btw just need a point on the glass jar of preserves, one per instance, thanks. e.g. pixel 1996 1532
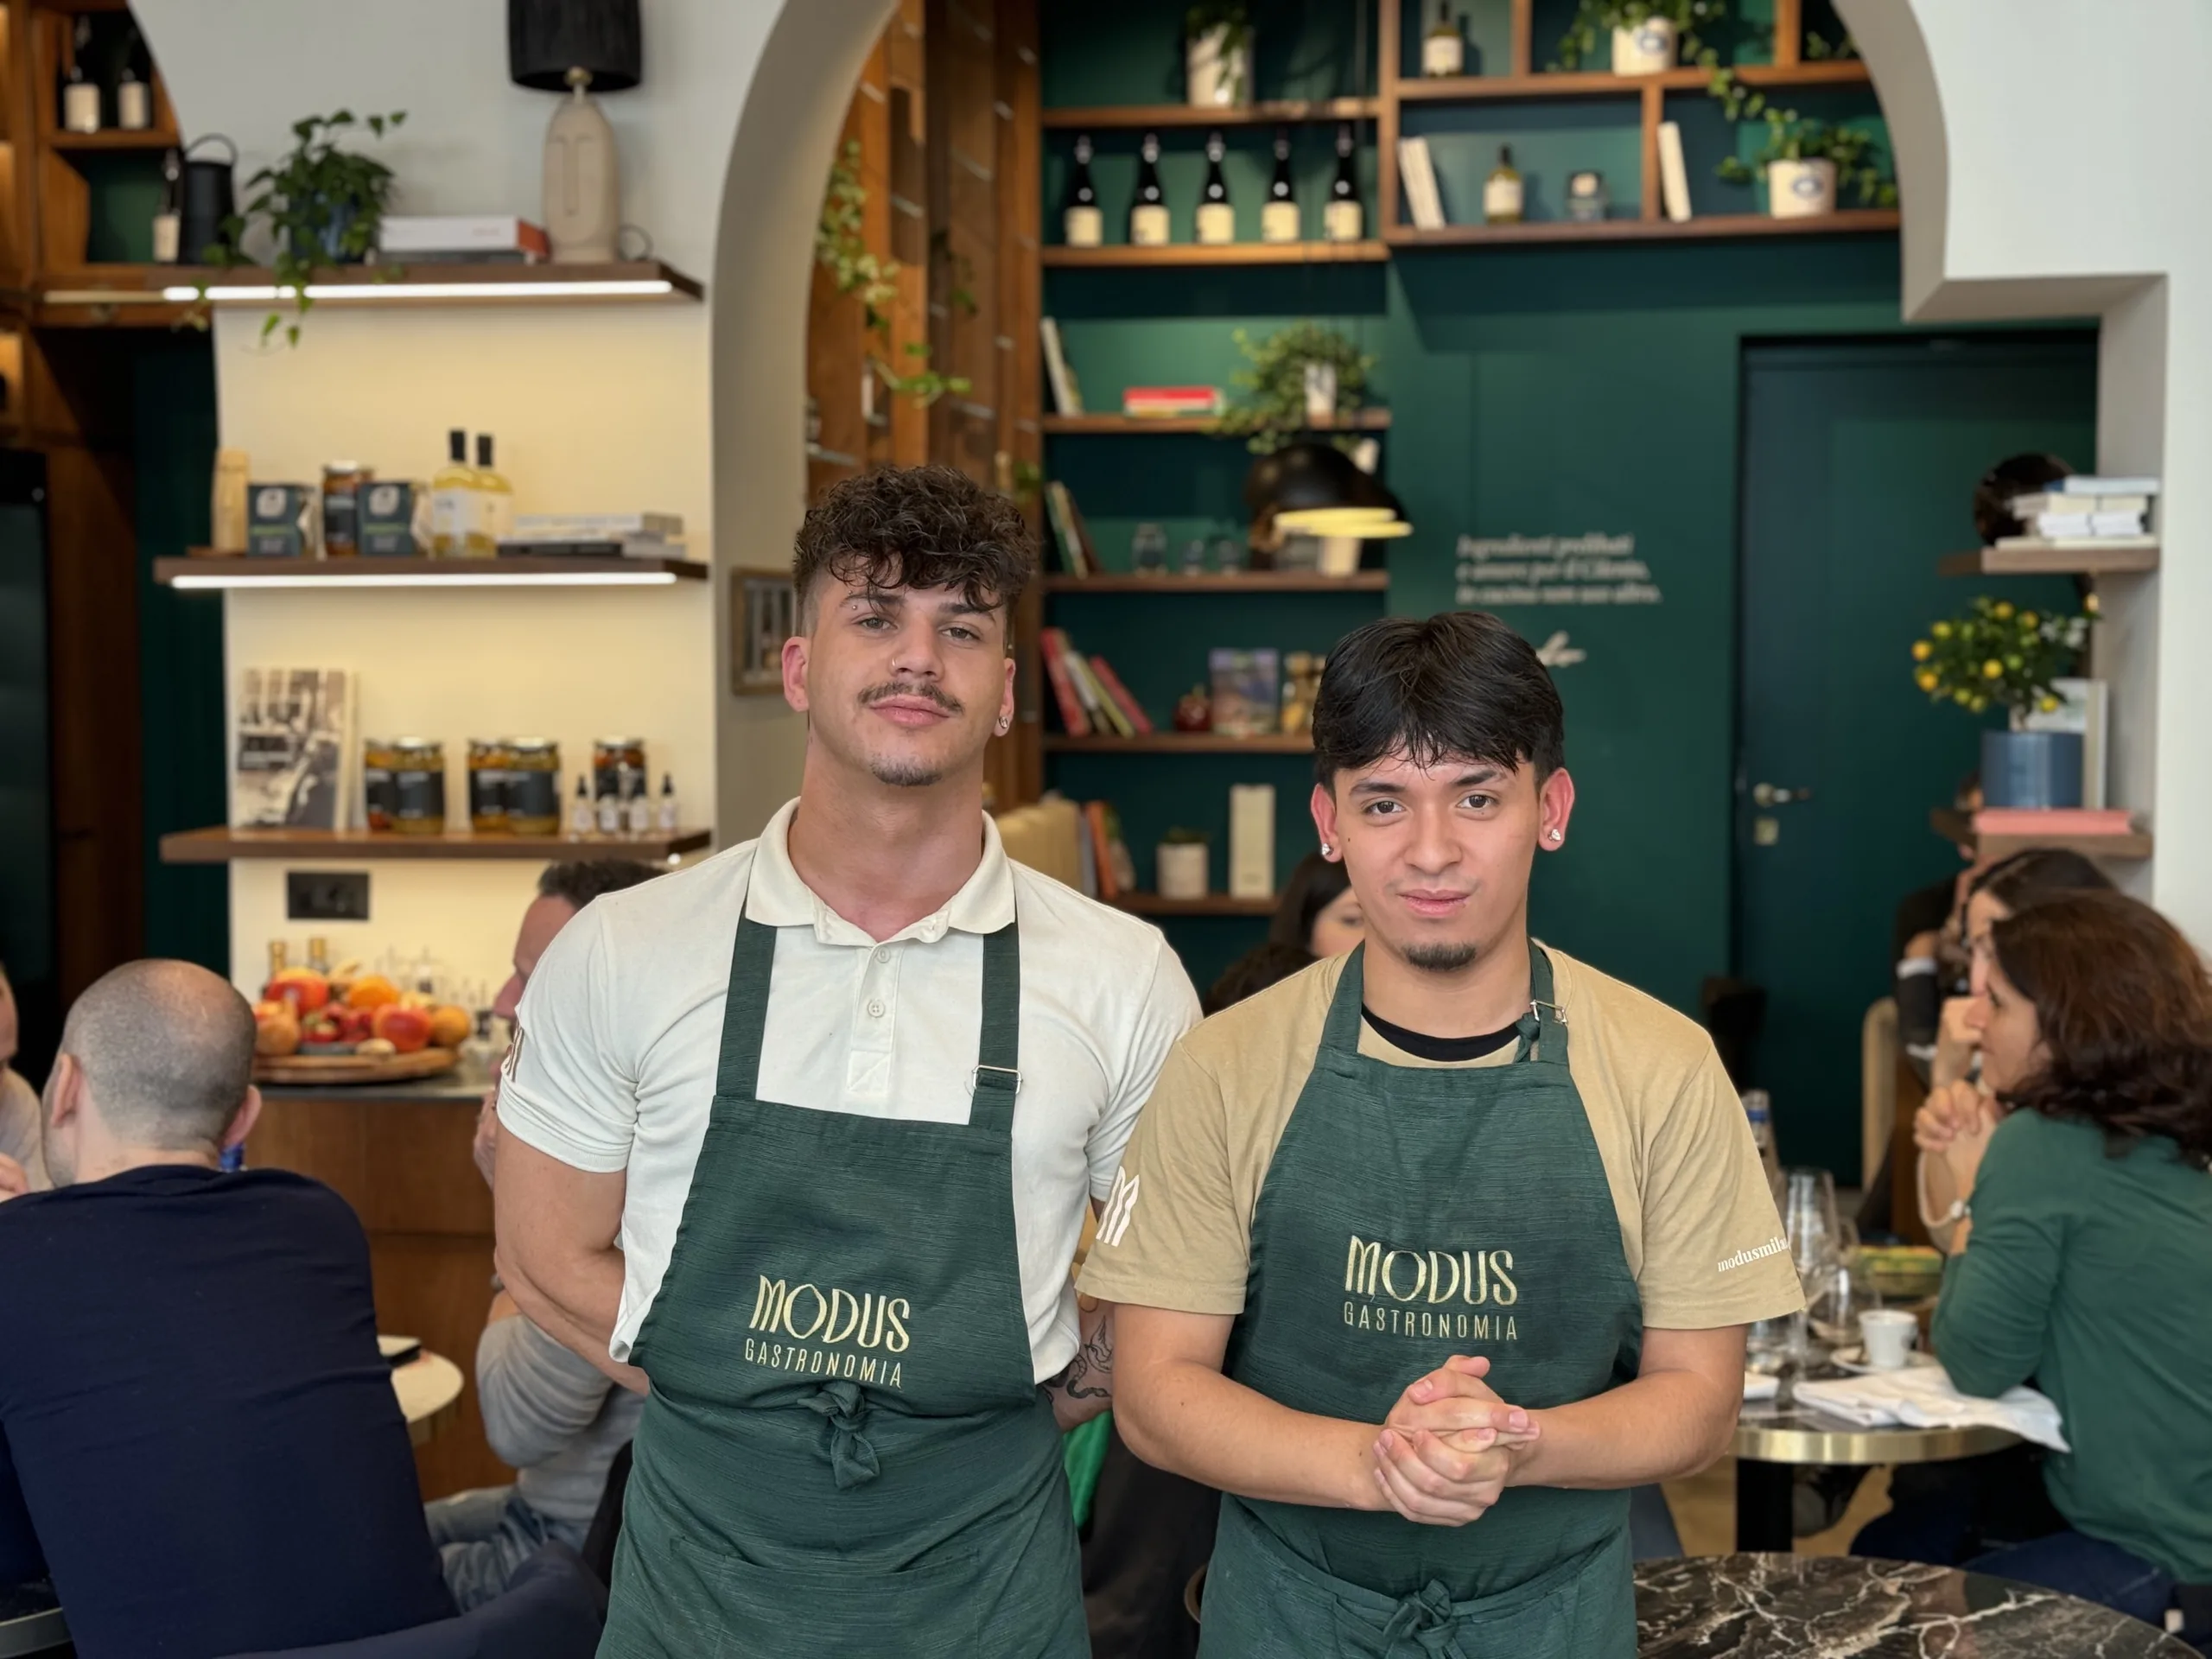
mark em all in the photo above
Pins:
pixel 533 798
pixel 418 778
pixel 378 786
pixel 342 483
pixel 617 767
pixel 487 785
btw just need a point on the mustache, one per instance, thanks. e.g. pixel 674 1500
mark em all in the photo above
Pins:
pixel 922 690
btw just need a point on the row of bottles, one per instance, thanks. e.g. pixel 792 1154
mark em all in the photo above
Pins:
pixel 471 508
pixel 1083 222
pixel 610 815
pixel 82 105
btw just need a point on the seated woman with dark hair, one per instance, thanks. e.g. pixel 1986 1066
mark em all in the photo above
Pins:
pixel 2080 1261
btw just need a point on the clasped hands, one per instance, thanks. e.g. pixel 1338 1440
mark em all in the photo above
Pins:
pixel 1449 1446
pixel 1955 1125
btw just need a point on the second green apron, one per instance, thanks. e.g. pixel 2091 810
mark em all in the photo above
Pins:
pixel 1410 1214
pixel 845 1450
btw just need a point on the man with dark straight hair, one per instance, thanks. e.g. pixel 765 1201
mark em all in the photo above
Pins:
pixel 802 1139
pixel 1451 1224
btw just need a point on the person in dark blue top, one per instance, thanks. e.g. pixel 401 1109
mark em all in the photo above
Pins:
pixel 200 1444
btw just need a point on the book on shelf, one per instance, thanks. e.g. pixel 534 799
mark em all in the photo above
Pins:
pixel 2020 821
pixel 591 547
pixel 1118 695
pixel 1067 395
pixel 1086 854
pixel 1106 837
pixel 560 526
pixel 2070 544
pixel 2085 707
pixel 2085 524
pixel 1252 840
pixel 1106 714
pixel 1247 691
pixel 2105 484
pixel 1417 168
pixel 2026 506
pixel 1084 546
pixel 1052 645
pixel 294 759
pixel 1161 402
pixel 461 236
pixel 1059 515
pixel 1673 173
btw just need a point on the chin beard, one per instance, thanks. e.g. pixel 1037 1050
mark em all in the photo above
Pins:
pixel 1442 958
pixel 905 774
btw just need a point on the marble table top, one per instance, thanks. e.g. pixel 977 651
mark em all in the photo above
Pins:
pixel 1846 1607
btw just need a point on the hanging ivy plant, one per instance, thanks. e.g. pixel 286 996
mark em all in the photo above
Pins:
pixel 854 268
pixel 1272 410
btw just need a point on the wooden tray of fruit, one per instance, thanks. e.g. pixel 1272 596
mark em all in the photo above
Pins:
pixel 351 1028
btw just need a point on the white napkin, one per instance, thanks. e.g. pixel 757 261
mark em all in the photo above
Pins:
pixel 1757 1385
pixel 1922 1398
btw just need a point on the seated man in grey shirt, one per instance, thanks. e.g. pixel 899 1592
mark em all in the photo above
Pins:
pixel 555 1417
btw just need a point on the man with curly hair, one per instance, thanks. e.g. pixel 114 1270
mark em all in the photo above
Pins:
pixel 798 1143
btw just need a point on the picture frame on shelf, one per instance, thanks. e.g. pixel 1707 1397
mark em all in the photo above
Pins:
pixel 763 613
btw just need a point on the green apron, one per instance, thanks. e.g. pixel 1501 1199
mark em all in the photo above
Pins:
pixel 1411 1214
pixel 845 1450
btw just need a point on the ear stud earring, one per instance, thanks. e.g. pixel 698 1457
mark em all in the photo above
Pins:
pixel 1557 837
pixel 1327 851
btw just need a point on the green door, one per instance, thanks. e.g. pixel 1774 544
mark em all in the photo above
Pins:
pixel 1859 459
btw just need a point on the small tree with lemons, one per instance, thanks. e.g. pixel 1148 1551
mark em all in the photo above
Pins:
pixel 2003 654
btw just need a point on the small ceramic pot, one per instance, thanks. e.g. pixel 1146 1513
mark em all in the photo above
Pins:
pixel 1647 48
pixel 1800 189
pixel 1182 869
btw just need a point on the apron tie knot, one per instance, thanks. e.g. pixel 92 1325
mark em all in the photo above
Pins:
pixel 1421 1628
pixel 852 1459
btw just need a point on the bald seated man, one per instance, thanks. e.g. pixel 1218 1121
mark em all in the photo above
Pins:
pixel 199 1441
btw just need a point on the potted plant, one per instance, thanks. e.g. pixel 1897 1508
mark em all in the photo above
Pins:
pixel 321 206
pixel 1181 864
pixel 1999 655
pixel 1647 37
pixel 1292 371
pixel 1218 55
pixel 1806 164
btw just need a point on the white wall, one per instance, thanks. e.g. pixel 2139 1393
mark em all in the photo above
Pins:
pixel 694 409
pixel 2050 153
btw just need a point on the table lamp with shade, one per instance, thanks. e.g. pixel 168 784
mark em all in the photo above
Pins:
pixel 578 47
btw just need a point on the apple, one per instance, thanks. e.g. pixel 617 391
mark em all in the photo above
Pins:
pixel 304 988
pixel 405 1029
pixel 355 1024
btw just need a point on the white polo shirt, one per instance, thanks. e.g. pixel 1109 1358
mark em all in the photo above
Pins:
pixel 620 1030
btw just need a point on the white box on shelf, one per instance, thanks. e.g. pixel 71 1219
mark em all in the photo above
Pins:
pixel 1252 840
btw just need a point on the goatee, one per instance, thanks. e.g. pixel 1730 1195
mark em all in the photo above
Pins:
pixel 1442 958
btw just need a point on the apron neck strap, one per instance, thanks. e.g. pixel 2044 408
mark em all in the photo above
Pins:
pixel 1543 1028
pixel 997 1076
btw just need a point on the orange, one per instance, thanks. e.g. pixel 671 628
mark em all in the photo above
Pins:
pixel 371 991
pixel 450 1025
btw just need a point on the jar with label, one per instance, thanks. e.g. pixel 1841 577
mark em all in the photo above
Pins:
pixel 418 778
pixel 379 787
pixel 533 787
pixel 342 482
pixel 618 767
pixel 487 785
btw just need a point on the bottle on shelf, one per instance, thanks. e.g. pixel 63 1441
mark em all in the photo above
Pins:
pixel 609 809
pixel 279 955
pixel 1216 226
pixel 319 954
pixel 1148 213
pixel 1502 191
pixel 169 219
pixel 495 508
pixel 452 500
pixel 1342 219
pixel 1279 216
pixel 637 812
pixel 1443 51
pixel 582 820
pixel 134 97
pixel 667 812
pixel 1083 224
pixel 80 93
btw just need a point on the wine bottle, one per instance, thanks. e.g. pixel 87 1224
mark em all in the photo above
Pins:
pixel 134 98
pixel 1442 50
pixel 169 217
pixel 1217 218
pixel 1279 218
pixel 1082 225
pixel 495 502
pixel 1342 219
pixel 1148 213
pixel 1502 193
pixel 452 500
pixel 80 94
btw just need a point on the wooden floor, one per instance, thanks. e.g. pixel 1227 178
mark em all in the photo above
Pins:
pixel 1705 1512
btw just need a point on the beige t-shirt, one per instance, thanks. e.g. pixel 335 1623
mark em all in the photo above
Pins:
pixel 1697 1220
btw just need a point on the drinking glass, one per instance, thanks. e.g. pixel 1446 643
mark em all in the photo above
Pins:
pixel 1809 1220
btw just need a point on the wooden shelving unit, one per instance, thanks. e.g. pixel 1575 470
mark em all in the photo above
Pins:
pixel 1363 420
pixel 1957 828
pixel 220 846
pixel 1122 256
pixel 1559 83
pixel 2051 562
pixel 1214 903
pixel 1274 112
pixel 1249 581
pixel 226 571
pixel 1844 222
pixel 1181 743
pixel 155 139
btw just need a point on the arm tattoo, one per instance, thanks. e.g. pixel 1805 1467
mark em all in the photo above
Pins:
pixel 1090 1375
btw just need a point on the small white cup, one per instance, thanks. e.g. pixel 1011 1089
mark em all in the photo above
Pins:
pixel 1890 1335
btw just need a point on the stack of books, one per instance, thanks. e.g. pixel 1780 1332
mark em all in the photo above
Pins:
pixel 2085 512
pixel 1091 696
pixel 1078 555
pixel 595 536
pixel 1417 172
pixel 2075 823
pixel 1108 870
pixel 1170 403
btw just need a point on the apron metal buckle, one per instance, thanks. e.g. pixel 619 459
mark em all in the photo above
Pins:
pixel 1012 1084
pixel 1537 1008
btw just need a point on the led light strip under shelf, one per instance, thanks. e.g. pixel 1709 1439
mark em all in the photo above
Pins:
pixel 268 293
pixel 402 579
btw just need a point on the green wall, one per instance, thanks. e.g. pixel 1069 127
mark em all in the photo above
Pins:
pixel 1547 390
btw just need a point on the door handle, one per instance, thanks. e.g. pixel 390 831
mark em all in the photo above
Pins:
pixel 1766 795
